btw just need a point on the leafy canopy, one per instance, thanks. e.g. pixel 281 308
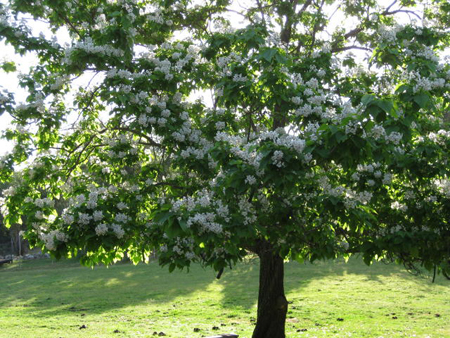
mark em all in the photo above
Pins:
pixel 203 129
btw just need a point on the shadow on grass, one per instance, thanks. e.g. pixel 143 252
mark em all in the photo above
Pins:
pixel 65 286
pixel 240 285
pixel 52 286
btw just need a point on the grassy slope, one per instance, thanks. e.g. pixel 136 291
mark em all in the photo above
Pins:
pixel 47 299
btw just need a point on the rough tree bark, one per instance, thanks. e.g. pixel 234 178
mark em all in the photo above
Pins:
pixel 272 303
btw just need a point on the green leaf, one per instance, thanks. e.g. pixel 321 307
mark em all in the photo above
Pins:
pixel 9 66
pixel 268 54
pixel 280 58
pixel 422 100
pixel 183 224
pixel 386 105
pixel 340 136
pixel 367 258
pixel 162 217
pixel 367 99
pixel 402 88
pixel 172 267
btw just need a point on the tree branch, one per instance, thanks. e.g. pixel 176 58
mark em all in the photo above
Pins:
pixel 391 5
pixel 403 11
pixel 341 49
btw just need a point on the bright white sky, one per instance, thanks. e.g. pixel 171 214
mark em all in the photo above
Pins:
pixel 10 82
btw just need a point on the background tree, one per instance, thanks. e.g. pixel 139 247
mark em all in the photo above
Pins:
pixel 11 241
pixel 324 134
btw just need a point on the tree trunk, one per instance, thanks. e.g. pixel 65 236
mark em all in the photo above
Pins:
pixel 272 304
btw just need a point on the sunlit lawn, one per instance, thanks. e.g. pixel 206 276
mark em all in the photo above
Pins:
pixel 62 299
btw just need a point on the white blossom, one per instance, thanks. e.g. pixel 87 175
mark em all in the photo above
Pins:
pixel 101 229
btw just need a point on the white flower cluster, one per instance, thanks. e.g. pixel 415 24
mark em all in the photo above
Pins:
pixel 118 230
pixel 413 230
pixel 441 137
pixel 90 47
pixel 246 150
pixel 154 13
pixel 102 229
pixel 40 202
pixel 409 195
pixel 379 133
pixel 4 98
pixel 352 127
pixel 225 62
pixel 10 191
pixel 399 206
pixel 248 211
pixel 443 186
pixel 239 78
pixel 296 80
pixel 100 22
pixel 425 52
pixel 198 153
pixel 59 82
pixel 206 221
pixel 277 158
pixel 203 199
pixel 350 198
pixel 38 104
pixel 389 33
pixel 324 49
pixel 121 218
pixel 372 171
pixel 425 83
pixel 97 215
pixel 3 160
pixel 49 238
pixel 169 67
pixel 83 218
pixel 312 99
pixel 184 247
pixel 127 75
pixel 250 179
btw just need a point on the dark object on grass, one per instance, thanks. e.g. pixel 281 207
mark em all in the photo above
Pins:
pixel 196 329
pixel 340 319
pixel 83 327
pixel 5 261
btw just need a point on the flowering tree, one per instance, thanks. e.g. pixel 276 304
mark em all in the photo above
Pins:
pixel 324 133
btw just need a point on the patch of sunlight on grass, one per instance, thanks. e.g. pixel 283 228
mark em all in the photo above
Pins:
pixel 113 282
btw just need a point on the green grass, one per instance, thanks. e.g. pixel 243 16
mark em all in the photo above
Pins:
pixel 56 299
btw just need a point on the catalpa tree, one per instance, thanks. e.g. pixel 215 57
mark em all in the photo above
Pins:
pixel 207 131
